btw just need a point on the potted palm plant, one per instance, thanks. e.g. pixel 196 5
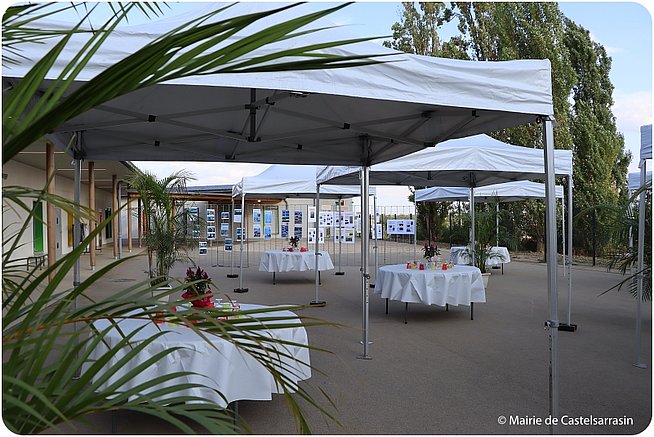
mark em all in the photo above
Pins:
pixel 484 239
pixel 163 216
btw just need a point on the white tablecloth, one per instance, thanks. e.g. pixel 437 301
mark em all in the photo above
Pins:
pixel 458 256
pixel 220 365
pixel 459 285
pixel 279 261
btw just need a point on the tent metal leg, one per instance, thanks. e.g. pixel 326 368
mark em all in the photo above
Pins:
pixel 639 272
pixel 365 277
pixel 340 272
pixel 569 326
pixel 317 301
pixel 240 288
pixel 231 273
pixel 552 323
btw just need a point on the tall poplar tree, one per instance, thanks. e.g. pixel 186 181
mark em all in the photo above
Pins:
pixel 600 159
pixel 581 89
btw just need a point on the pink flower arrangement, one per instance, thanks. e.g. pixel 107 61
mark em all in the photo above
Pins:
pixel 198 293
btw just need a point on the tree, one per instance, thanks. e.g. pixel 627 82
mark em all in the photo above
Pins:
pixel 600 159
pixel 430 218
pixel 163 219
pixel 494 31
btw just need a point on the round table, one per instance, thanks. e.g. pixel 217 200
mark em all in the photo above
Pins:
pixel 218 364
pixel 283 261
pixel 459 285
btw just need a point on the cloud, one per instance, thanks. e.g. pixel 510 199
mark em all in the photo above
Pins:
pixel 609 50
pixel 632 110
pixel 205 173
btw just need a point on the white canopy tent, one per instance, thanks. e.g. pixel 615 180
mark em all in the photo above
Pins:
pixel 645 154
pixel 505 192
pixel 469 162
pixel 286 181
pixel 476 161
pixel 633 180
pixel 353 116
pixel 295 117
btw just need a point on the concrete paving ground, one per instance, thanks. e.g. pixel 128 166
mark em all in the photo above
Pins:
pixel 443 373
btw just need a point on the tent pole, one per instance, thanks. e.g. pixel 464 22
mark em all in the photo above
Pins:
pixel 569 326
pixel 639 269
pixel 497 224
pixel 570 242
pixel 340 272
pixel 120 227
pixel 231 252
pixel 415 226
pixel 365 277
pixel 552 323
pixel 563 236
pixel 240 288
pixel 317 301
pixel 472 226
pixel 374 231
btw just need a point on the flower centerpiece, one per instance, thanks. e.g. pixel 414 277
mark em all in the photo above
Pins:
pixel 430 251
pixel 198 291
pixel 293 241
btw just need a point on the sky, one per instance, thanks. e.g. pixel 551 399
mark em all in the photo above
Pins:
pixel 623 28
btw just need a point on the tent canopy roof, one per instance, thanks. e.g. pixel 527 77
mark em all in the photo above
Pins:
pixel 505 192
pixel 646 142
pixel 474 161
pixel 633 180
pixel 349 116
pixel 291 181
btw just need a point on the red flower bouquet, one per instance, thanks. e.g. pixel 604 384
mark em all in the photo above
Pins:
pixel 198 291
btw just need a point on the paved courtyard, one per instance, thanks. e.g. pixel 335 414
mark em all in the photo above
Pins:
pixel 443 373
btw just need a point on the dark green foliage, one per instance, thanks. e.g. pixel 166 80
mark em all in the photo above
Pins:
pixel 431 219
pixel 623 221
pixel 493 31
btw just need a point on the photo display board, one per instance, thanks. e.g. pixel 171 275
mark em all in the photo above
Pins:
pixel 326 219
pixel 211 224
pixel 312 235
pixel 224 229
pixel 400 227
